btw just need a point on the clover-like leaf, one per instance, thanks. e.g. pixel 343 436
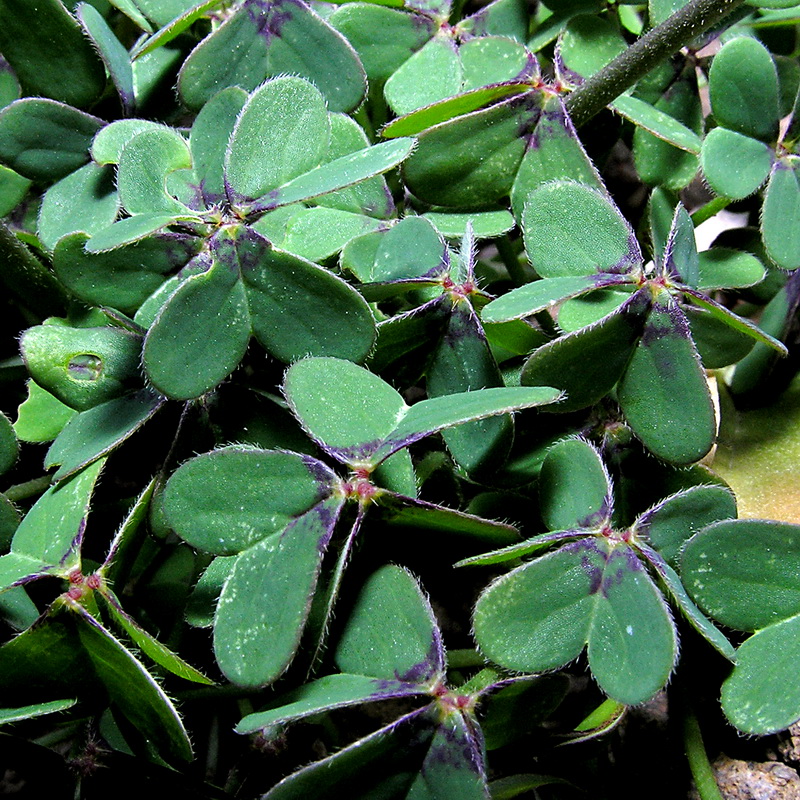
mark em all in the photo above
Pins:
pixel 361 420
pixel 541 615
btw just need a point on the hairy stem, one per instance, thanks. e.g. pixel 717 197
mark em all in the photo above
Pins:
pixel 659 43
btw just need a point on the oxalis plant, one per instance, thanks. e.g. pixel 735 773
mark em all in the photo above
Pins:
pixel 376 423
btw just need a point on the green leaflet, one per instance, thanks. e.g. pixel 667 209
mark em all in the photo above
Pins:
pixel 461 362
pixel 209 137
pixel 574 487
pixel 761 695
pixel 539 295
pixel 245 495
pixel 134 690
pixel 663 392
pixel 96 432
pixel 657 122
pixel 261 40
pixel 754 589
pixel 325 694
pixel 414 651
pixel 82 367
pixel 742 69
pixel 541 615
pixel 85 200
pixel 8 444
pixel 384 38
pixel 588 363
pixel 553 153
pixel 45 140
pixel 150 646
pixel 341 405
pixel 671 523
pixel 184 360
pixel 8 715
pixel 125 277
pixel 145 163
pixel 733 164
pixel 53 57
pixel 41 416
pixel 342 172
pixel 267 597
pixel 361 420
pixel 589 43
pixel 572 229
pixel 48 537
pixel 110 140
pixel 471 161
pixel 114 55
pixel 281 133
pixel 781 213
pixel 721 268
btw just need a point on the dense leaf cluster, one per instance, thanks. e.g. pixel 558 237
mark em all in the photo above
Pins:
pixel 313 306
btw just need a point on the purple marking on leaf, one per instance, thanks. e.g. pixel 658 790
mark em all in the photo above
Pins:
pixel 356 454
pixel 594 572
pixel 433 663
pixel 675 323
pixel 200 263
pixel 462 747
pixel 615 572
pixel 387 689
pixel 530 72
pixel 630 261
pixel 599 517
pixel 5 66
pixel 179 248
pixel 239 249
pixel 267 17
pixel 76 542
pixel 529 101
pixel 321 473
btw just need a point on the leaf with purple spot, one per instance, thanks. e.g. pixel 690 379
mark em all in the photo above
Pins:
pixel 554 153
pixel 413 651
pixel 454 765
pixel 472 161
pixel 326 694
pixel 226 501
pixel 575 489
pixel 361 420
pixel 663 393
pixel 265 38
pixel 668 525
pixel 125 278
pixel 591 592
pixel 587 364
pixel 572 229
pixel 267 597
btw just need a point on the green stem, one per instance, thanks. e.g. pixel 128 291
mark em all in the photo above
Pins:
pixel 22 491
pixel 645 53
pixel 698 759
pixel 510 258
pixel 711 208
